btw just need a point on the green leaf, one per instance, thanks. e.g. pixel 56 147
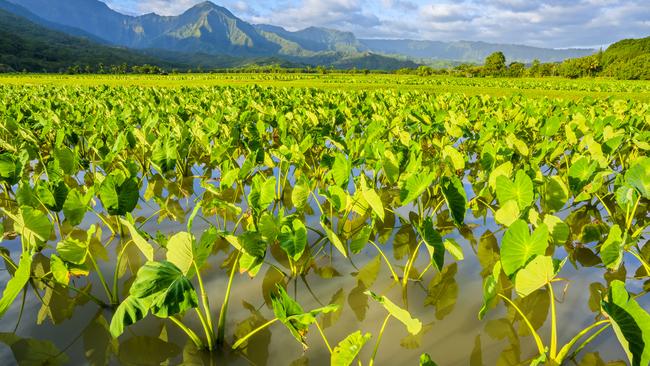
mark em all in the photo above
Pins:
pixel 454 249
pixel 341 170
pixel 348 349
pixel 537 273
pixel 180 251
pixel 164 286
pixel 638 176
pixel 129 312
pixel 373 199
pixel 631 323
pixel 414 186
pixel 139 241
pixel 293 240
pixel 334 239
pixel 66 160
pixel 454 193
pixel 434 243
pixel 72 250
pixel 267 194
pixel 521 190
pixel 457 159
pixel 119 194
pixel 519 246
pixel 75 207
pixel 59 270
pixel 611 251
pixel 507 213
pixel 557 228
pixel 490 290
pixel 361 239
pixel 11 168
pixel 33 226
pixel 16 283
pixel 414 326
pixel 425 360
pixel 580 173
pixel 300 195
pixel 284 308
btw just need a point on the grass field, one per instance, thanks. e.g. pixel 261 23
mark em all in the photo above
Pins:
pixel 537 88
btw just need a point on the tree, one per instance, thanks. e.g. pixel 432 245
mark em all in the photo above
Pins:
pixel 495 64
pixel 516 69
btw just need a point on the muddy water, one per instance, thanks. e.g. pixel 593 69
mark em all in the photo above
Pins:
pixel 446 303
pixel 74 330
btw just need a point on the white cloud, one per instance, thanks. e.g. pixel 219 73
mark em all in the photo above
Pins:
pixel 547 23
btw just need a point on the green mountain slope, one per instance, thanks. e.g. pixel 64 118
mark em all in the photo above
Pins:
pixel 628 59
pixel 25 45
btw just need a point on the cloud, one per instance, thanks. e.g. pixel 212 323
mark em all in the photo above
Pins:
pixel 546 23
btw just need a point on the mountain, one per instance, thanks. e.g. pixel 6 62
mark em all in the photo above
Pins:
pixel 212 29
pixel 25 45
pixel 467 51
pixel 628 59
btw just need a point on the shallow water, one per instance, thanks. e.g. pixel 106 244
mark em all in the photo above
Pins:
pixel 446 303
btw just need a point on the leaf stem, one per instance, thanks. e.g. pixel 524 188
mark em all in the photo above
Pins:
pixel 221 326
pixel 381 333
pixel 240 341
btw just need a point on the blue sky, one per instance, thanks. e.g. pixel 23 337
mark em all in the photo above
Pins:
pixel 546 23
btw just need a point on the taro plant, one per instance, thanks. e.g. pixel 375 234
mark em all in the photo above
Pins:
pixel 525 264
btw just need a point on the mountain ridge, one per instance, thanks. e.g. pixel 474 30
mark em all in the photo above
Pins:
pixel 213 29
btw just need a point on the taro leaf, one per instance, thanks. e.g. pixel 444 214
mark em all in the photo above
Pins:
pixel 291 314
pixel 454 193
pixel 557 228
pixel 59 270
pixel 33 226
pixel 519 246
pixel 52 196
pixel 72 250
pixel 293 240
pixel 611 251
pixel 638 176
pixel 490 285
pixel 164 286
pixel 129 312
pixel 361 239
pixel 454 249
pixel 165 154
pixel 434 243
pixel 631 323
pixel 253 250
pixel 181 252
pixel 457 158
pixel 119 194
pixel 262 193
pixel 75 207
pixel 414 326
pixel 555 194
pixel 269 226
pixel 537 273
pixel 507 213
pixel 334 239
pixel 341 170
pixel 521 190
pixel 139 241
pixel 11 168
pixel 414 186
pixel 425 360
pixel 66 160
pixel 580 173
pixel 16 283
pixel 300 194
pixel 33 352
pixel 348 349
pixel 626 197
pixel 373 199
